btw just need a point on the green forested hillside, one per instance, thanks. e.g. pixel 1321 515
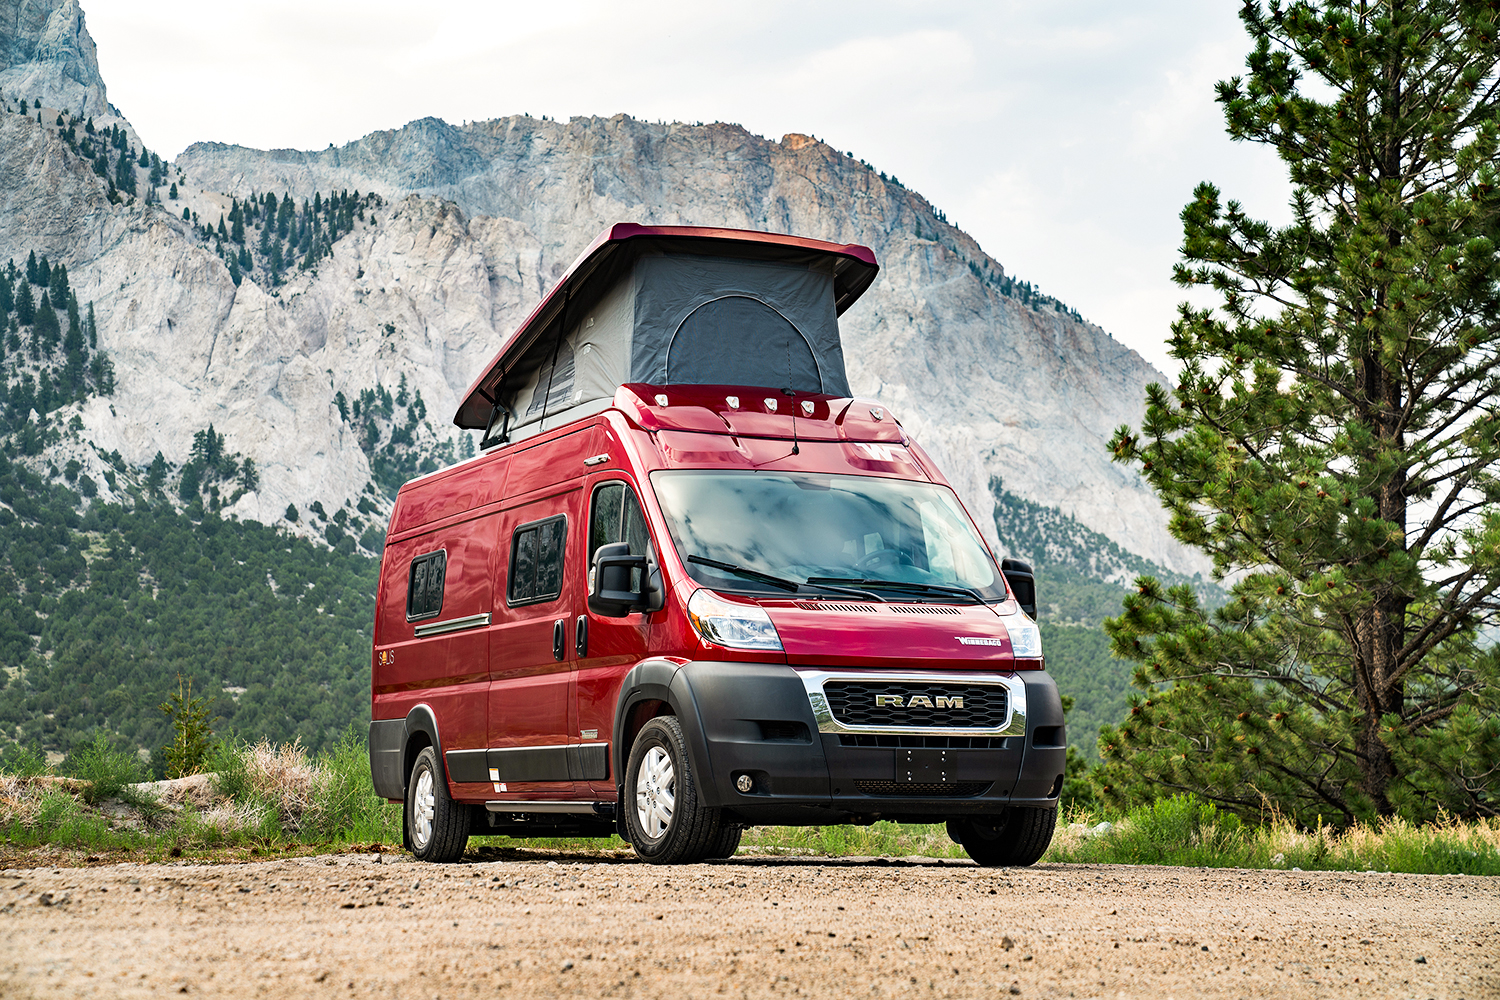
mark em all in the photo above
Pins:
pixel 1081 577
pixel 101 611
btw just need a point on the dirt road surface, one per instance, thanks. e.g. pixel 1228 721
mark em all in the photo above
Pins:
pixel 359 925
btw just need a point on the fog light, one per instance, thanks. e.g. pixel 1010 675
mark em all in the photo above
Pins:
pixel 744 783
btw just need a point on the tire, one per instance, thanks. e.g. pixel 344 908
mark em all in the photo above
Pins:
pixel 1017 838
pixel 666 821
pixel 728 842
pixel 436 827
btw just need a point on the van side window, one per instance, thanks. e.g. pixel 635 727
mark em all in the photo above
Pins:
pixel 617 517
pixel 536 560
pixel 424 586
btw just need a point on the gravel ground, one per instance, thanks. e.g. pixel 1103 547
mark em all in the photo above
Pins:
pixel 352 925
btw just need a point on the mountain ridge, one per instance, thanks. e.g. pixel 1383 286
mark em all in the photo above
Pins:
pixel 475 223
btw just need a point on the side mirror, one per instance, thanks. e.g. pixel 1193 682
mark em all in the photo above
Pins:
pixel 619 582
pixel 1022 583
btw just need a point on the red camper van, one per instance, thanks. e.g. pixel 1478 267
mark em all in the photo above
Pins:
pixel 691 585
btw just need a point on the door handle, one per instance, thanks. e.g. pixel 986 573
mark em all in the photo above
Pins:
pixel 581 636
pixel 559 643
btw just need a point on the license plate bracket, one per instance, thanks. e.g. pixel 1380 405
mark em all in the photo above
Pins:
pixel 926 767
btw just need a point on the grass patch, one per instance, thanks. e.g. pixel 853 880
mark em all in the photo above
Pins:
pixel 879 840
pixel 266 801
pixel 1183 830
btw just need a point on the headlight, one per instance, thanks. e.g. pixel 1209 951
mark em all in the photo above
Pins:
pixel 738 626
pixel 1025 637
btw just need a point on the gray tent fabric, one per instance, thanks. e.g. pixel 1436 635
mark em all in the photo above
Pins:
pixel 684 319
pixel 671 287
pixel 722 339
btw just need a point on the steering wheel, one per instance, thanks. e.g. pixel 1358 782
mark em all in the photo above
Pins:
pixel 882 558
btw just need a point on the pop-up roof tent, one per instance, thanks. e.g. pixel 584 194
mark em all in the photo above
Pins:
pixel 673 305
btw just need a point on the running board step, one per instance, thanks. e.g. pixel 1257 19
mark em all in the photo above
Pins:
pixel 604 810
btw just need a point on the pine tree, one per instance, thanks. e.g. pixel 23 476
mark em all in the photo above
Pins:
pixel 25 304
pixel 156 475
pixel 125 174
pixel 1334 439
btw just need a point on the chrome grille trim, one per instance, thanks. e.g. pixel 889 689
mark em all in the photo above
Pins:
pixel 1014 725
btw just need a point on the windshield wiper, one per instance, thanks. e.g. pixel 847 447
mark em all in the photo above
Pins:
pixel 777 581
pixel 899 585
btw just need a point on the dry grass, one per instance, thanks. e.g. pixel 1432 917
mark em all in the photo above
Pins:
pixel 285 779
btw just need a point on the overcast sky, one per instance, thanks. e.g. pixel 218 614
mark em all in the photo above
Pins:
pixel 1064 136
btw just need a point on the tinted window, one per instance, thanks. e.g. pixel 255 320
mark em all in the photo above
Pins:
pixel 536 560
pixel 617 517
pixel 424 586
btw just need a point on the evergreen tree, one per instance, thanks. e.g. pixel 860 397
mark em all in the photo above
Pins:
pixel 125 174
pixel 7 296
pixel 46 325
pixel 93 329
pixel 156 475
pixel 1334 439
pixel 31 268
pixel 102 374
pixel 25 304
pixel 58 283
pixel 172 192
pixel 249 476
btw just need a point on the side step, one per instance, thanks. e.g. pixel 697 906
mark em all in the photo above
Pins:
pixel 603 810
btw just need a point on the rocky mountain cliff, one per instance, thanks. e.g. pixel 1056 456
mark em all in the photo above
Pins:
pixel 214 309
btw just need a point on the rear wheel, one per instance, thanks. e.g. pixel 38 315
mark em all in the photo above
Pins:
pixel 437 828
pixel 663 813
pixel 1017 838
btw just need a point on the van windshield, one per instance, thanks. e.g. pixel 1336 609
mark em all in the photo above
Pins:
pixel 771 533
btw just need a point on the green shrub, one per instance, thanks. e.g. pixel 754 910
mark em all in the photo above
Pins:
pixel 21 761
pixel 107 770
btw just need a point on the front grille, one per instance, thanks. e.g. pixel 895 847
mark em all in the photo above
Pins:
pixel 923 742
pixel 854 704
pixel 924 789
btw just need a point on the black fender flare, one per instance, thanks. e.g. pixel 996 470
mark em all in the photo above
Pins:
pixel 658 679
pixel 421 719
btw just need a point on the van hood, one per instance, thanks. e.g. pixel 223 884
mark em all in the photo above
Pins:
pixel 892 635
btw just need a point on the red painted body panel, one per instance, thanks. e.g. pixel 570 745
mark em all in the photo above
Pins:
pixel 501 687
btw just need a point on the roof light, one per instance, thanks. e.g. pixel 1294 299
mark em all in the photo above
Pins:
pixel 770 405
pixel 877 413
pixel 807 407
pixel 661 399
pixel 733 401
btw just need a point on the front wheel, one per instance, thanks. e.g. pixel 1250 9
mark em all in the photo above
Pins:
pixel 663 814
pixel 437 828
pixel 1017 838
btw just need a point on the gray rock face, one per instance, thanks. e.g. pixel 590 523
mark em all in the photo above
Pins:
pixel 479 222
pixel 47 54
pixel 991 386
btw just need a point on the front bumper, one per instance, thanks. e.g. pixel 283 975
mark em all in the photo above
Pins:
pixel 775 725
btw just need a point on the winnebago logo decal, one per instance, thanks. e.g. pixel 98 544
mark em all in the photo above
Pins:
pixel 881 452
pixel 979 640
